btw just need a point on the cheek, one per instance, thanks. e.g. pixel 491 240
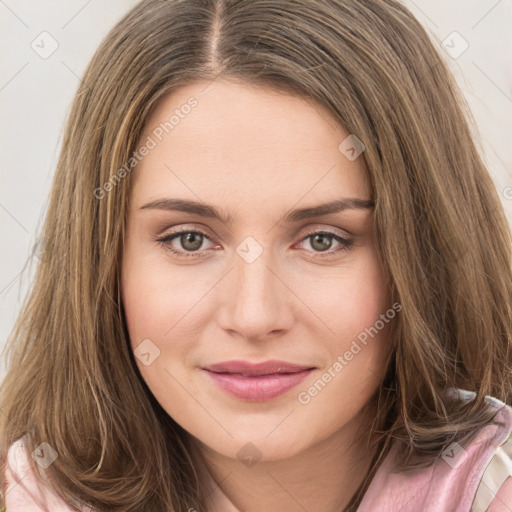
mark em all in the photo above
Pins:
pixel 369 295
pixel 350 298
pixel 155 298
pixel 372 316
pixel 143 300
pixel 141 306
pixel 358 344
pixel 151 311
pixel 164 310
pixel 352 310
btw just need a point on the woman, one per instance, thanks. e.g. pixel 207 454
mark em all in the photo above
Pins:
pixel 276 276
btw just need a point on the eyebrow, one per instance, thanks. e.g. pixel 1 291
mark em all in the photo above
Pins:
pixel 210 212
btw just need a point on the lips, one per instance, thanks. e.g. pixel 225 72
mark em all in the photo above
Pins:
pixel 257 382
pixel 247 369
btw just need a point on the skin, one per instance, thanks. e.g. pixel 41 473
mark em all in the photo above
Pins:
pixel 255 154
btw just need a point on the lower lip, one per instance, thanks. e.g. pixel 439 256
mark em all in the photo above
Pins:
pixel 258 389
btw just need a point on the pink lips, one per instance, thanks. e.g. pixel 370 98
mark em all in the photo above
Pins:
pixel 257 382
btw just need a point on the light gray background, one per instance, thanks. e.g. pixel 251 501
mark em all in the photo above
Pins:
pixel 36 90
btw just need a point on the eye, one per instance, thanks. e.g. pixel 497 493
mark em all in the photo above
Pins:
pixel 191 242
pixel 322 241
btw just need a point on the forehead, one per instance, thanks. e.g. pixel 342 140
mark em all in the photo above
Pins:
pixel 235 142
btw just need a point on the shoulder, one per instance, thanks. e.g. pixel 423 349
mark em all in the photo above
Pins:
pixel 491 462
pixel 476 477
pixel 488 471
pixel 487 474
pixel 27 491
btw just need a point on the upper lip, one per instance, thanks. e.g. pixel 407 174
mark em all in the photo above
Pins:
pixel 254 369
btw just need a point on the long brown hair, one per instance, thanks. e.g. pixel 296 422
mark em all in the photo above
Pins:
pixel 440 232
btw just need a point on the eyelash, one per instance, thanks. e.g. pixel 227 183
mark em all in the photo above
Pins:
pixel 166 240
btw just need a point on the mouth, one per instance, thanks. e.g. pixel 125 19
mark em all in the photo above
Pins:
pixel 257 382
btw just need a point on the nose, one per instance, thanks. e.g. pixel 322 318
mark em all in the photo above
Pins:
pixel 257 304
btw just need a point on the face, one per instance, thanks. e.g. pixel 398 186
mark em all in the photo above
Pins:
pixel 267 279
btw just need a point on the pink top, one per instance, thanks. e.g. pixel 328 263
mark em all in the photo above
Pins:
pixel 474 478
